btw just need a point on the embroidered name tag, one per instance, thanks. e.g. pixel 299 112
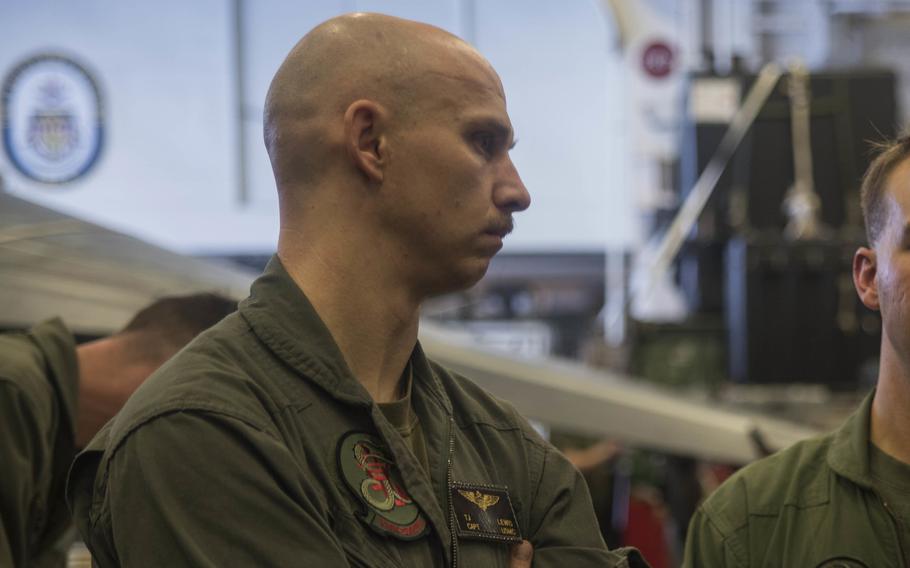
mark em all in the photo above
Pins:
pixel 372 476
pixel 484 512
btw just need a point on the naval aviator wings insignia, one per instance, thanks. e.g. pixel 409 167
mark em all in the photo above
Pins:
pixel 482 500
pixel 484 512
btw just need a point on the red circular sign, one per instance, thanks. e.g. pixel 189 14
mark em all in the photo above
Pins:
pixel 657 59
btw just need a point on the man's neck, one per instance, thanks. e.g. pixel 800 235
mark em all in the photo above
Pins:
pixel 890 428
pixel 368 311
pixel 107 377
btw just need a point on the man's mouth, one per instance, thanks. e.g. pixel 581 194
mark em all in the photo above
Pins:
pixel 500 228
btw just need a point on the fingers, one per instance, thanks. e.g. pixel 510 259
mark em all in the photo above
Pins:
pixel 521 555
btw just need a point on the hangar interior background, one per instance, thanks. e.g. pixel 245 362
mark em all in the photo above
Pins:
pixel 665 380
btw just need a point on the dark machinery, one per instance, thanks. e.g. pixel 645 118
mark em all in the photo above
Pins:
pixel 772 250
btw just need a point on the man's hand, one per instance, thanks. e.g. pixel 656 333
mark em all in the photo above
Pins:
pixel 521 555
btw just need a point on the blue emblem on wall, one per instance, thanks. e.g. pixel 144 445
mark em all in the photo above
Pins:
pixel 53 128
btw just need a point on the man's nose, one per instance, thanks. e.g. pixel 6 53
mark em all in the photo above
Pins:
pixel 510 193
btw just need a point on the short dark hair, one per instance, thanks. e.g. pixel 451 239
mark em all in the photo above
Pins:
pixel 889 155
pixel 169 323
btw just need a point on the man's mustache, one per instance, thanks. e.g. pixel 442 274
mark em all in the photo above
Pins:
pixel 501 227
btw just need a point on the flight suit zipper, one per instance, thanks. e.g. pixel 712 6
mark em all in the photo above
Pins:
pixel 449 465
pixel 897 525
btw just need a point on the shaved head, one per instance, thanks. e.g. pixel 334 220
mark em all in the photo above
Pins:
pixel 383 59
pixel 389 141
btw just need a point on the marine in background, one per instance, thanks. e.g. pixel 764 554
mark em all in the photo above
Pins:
pixel 843 499
pixel 55 396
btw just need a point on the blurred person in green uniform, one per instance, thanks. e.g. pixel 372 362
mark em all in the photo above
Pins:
pixel 842 499
pixel 310 429
pixel 55 396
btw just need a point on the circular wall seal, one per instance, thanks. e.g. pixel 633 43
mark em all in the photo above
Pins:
pixel 52 119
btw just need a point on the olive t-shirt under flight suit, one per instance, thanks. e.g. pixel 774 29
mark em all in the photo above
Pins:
pixel 401 416
pixel 38 387
pixel 815 504
pixel 255 446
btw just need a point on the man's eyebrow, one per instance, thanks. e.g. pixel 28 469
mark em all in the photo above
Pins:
pixel 501 129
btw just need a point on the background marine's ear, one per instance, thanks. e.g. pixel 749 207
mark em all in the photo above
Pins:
pixel 865 277
pixel 365 138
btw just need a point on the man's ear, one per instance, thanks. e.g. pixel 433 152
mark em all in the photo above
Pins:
pixel 865 277
pixel 365 138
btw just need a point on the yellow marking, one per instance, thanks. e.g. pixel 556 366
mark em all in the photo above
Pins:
pixel 482 500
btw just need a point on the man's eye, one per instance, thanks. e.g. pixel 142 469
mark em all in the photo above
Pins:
pixel 486 143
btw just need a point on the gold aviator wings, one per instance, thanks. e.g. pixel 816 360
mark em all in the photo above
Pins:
pixel 482 500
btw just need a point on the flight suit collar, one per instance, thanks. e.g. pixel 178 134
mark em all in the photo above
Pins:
pixel 848 454
pixel 284 319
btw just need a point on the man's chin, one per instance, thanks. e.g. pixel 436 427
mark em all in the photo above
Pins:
pixel 459 280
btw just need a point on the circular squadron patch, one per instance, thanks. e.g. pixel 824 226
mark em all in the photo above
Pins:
pixel 52 119
pixel 372 476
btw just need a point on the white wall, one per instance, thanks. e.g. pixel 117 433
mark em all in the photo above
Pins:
pixel 564 81
pixel 165 169
pixel 169 171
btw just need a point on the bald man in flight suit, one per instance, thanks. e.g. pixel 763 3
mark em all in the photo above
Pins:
pixel 310 429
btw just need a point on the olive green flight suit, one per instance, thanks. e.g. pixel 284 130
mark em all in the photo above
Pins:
pixel 38 387
pixel 232 454
pixel 814 504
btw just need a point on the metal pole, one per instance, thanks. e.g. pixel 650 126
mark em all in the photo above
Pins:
pixel 239 58
pixel 695 202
